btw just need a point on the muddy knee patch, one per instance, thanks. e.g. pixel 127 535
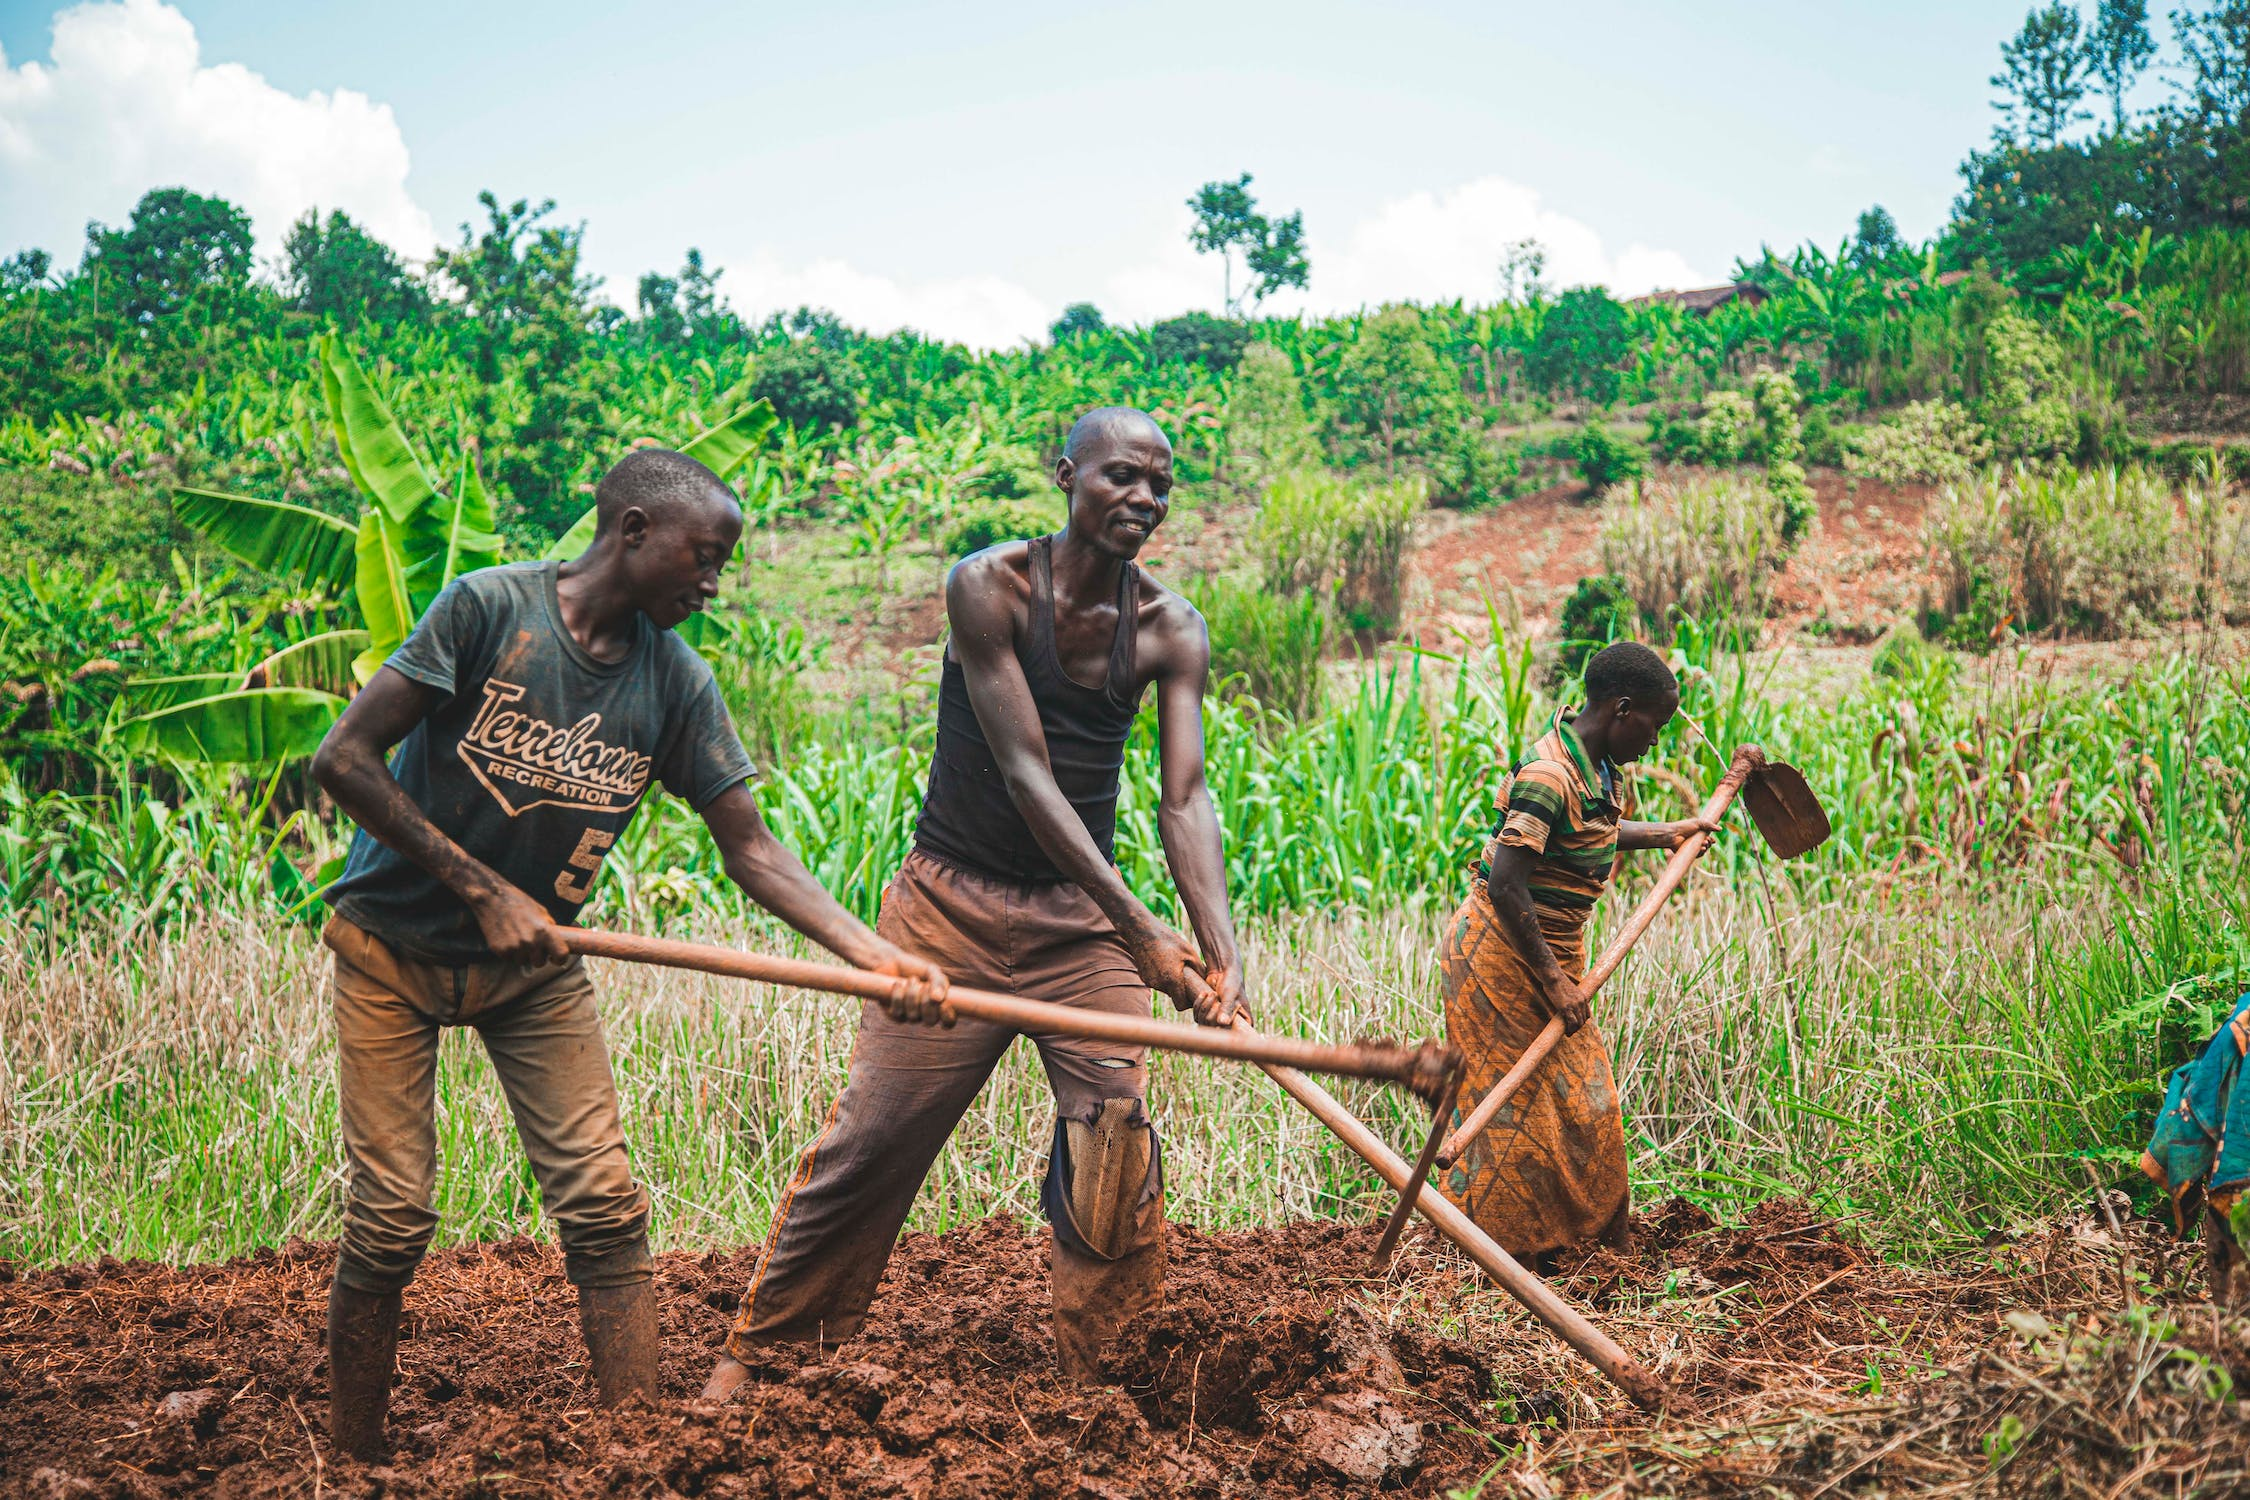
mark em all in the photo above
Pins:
pixel 1101 1172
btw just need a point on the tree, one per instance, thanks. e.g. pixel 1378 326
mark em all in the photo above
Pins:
pixel 1522 266
pixel 2215 47
pixel 1581 345
pixel 1227 221
pixel 810 385
pixel 1077 321
pixel 178 245
pixel 677 309
pixel 1197 338
pixel 24 270
pixel 1877 239
pixel 2043 70
pixel 335 269
pixel 1396 403
pixel 2119 48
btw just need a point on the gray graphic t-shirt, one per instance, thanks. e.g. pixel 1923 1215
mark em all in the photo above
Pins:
pixel 536 757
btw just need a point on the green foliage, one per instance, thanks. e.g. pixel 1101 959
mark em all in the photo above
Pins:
pixel 1397 405
pixel 2043 71
pixel 1227 223
pixel 1582 345
pixel 1320 534
pixel 1263 644
pixel 809 386
pixel 1599 610
pixel 1079 320
pixel 1214 344
pixel 1935 440
pixel 1605 458
pixel 336 270
pixel 1704 550
pixel 989 522
pixel 2025 408
pixel 180 249
pixel 1269 431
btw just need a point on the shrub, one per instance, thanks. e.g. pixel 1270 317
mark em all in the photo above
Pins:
pixel 1727 429
pixel 1605 458
pixel 1696 550
pixel 2098 553
pixel 1933 440
pixel 1263 644
pixel 2215 525
pixel 1904 655
pixel 1269 432
pixel 1599 610
pixel 989 522
pixel 1320 534
pixel 1582 345
pixel 810 385
pixel 2025 406
pixel 1198 339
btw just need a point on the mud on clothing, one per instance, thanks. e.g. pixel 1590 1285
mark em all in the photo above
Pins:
pixel 980 899
pixel 1550 1169
pixel 535 758
pixel 540 1029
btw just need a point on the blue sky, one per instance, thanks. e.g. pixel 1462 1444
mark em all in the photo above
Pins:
pixel 971 169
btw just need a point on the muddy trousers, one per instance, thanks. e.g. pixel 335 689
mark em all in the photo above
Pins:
pixel 909 1086
pixel 545 1041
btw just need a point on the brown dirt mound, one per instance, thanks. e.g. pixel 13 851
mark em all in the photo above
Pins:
pixel 1804 1364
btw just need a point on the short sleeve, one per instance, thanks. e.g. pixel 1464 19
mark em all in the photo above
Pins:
pixel 1535 806
pixel 704 756
pixel 446 636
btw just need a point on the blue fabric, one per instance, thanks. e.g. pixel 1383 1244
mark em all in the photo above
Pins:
pixel 2191 1146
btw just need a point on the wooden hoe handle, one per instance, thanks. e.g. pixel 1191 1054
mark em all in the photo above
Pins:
pixel 1746 760
pixel 1567 1323
pixel 1421 1068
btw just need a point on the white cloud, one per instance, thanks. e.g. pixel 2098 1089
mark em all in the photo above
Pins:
pixel 984 312
pixel 126 104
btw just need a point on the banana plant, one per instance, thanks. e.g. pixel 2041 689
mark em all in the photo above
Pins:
pixel 412 539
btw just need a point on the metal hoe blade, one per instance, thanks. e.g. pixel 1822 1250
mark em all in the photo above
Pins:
pixel 1788 815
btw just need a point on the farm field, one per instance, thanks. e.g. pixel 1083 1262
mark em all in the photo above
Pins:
pixel 1957 527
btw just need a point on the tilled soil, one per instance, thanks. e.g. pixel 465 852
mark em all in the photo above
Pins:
pixel 1276 1368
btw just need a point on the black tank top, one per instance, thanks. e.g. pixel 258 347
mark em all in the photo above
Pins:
pixel 968 819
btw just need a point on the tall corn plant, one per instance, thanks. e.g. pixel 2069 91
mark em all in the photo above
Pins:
pixel 413 539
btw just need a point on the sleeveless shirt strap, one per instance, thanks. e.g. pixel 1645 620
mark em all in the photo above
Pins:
pixel 1123 684
pixel 1042 594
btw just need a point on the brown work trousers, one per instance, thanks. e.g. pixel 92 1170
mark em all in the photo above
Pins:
pixel 909 1085
pixel 545 1040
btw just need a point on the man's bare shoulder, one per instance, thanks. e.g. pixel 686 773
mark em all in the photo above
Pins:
pixel 998 578
pixel 1168 622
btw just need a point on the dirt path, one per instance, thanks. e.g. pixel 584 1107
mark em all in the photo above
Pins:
pixel 1277 1369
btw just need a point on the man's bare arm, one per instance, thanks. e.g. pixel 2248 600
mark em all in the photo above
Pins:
pixel 778 881
pixel 350 767
pixel 1509 890
pixel 1187 820
pixel 979 606
pixel 1631 835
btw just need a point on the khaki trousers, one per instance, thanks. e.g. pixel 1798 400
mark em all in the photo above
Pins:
pixel 908 1087
pixel 541 1031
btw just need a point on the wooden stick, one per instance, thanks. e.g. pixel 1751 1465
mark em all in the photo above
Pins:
pixel 1566 1322
pixel 1421 1068
pixel 1746 760
pixel 1396 1226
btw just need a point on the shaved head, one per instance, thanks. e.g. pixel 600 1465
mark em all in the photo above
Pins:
pixel 664 485
pixel 1102 421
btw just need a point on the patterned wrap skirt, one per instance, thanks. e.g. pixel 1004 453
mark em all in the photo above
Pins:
pixel 1549 1171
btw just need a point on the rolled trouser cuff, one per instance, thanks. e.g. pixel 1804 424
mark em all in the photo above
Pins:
pixel 378 1279
pixel 610 1265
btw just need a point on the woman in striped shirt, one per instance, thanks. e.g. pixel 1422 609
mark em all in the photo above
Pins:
pixel 1550 1169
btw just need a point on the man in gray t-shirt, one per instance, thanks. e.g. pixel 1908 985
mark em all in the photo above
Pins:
pixel 530 709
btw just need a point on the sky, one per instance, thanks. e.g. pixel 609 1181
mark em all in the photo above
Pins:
pixel 969 170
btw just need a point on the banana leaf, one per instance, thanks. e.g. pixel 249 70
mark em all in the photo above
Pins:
pixel 375 451
pixel 449 537
pixel 574 541
pixel 322 661
pixel 146 695
pixel 287 541
pixel 257 727
pixel 384 601
pixel 722 449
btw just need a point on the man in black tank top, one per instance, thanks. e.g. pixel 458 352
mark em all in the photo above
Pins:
pixel 1011 886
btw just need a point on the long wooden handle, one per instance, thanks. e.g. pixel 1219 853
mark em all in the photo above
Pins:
pixel 1420 1067
pixel 1567 1323
pixel 1746 760
pixel 1396 1225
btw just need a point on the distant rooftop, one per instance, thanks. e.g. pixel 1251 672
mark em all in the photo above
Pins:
pixel 1703 299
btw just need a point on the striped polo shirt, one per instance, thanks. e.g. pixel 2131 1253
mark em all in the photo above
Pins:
pixel 1559 805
